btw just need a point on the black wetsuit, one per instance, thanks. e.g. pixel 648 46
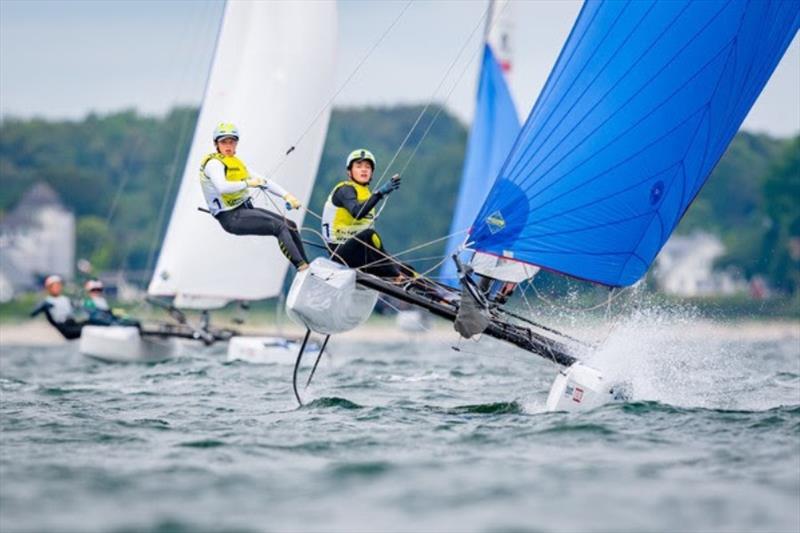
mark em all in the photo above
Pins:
pixel 249 220
pixel 69 328
pixel 366 247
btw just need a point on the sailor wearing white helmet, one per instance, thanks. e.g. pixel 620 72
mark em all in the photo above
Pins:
pixel 58 309
pixel 226 181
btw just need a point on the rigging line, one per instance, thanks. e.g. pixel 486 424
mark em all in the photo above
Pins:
pixel 435 92
pixel 318 234
pixel 168 194
pixel 386 301
pixel 426 258
pixel 423 245
pixel 428 243
pixel 178 80
pixel 182 132
pixel 438 112
pixel 425 274
pixel 377 43
pixel 386 256
pixel 341 88
pixel 530 322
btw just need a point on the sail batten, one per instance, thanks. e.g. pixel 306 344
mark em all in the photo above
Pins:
pixel 640 106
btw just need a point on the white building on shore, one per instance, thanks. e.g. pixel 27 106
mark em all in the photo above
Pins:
pixel 685 267
pixel 37 238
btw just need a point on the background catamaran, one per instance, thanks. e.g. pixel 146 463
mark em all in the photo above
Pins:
pixel 270 75
pixel 643 101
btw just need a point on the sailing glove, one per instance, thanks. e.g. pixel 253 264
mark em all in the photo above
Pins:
pixel 392 185
pixel 291 202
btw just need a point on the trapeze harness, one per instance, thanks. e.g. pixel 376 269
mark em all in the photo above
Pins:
pixel 222 180
pixel 346 227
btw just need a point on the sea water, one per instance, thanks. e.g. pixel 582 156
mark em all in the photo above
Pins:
pixel 409 435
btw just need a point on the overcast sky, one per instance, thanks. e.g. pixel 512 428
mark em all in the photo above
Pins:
pixel 65 58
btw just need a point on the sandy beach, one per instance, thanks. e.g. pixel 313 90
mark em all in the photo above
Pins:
pixel 39 333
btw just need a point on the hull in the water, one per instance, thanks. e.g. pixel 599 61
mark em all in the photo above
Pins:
pixel 125 344
pixel 580 387
pixel 266 350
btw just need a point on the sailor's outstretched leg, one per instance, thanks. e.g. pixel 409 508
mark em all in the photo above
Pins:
pixel 257 221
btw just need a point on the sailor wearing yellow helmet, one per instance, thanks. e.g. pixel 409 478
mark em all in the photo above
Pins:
pixel 349 214
pixel 226 181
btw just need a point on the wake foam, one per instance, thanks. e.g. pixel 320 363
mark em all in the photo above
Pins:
pixel 673 356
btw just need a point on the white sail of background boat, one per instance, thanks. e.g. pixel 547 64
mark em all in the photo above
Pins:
pixel 271 75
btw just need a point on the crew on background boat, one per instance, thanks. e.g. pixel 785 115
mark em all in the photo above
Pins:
pixel 59 309
pixel 100 314
pixel 226 181
pixel 348 217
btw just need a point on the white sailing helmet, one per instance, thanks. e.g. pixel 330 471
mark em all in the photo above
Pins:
pixel 226 129
pixel 361 154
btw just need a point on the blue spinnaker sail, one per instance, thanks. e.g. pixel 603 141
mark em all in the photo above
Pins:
pixel 641 104
pixel 494 128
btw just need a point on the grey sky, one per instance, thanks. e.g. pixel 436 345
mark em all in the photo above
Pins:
pixel 62 59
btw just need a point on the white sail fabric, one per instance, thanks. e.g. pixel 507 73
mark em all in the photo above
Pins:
pixel 271 75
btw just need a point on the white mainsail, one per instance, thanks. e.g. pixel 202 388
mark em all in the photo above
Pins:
pixel 272 73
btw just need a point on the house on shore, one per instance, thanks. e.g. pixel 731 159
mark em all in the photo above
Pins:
pixel 685 267
pixel 37 238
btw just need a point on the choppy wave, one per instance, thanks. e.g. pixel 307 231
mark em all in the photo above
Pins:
pixel 414 437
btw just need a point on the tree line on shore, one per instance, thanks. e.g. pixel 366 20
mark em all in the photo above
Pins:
pixel 115 171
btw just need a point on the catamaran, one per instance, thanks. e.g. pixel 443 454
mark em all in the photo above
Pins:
pixel 270 75
pixel 641 104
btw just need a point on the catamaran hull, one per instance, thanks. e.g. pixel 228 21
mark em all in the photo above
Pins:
pixel 124 344
pixel 266 350
pixel 326 299
pixel 579 388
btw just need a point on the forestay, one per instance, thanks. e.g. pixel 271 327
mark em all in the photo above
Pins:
pixel 271 75
pixel 642 103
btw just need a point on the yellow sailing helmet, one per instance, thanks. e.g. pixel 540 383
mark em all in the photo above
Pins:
pixel 361 155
